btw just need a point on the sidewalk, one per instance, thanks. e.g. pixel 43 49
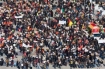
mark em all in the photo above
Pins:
pixel 63 67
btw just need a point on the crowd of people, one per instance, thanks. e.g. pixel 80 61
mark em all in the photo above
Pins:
pixel 33 26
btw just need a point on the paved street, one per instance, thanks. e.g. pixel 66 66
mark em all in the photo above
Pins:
pixel 63 67
pixel 50 67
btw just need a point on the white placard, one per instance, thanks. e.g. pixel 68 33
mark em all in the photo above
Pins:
pixel 101 41
pixel 19 16
pixel 62 22
pixel 24 45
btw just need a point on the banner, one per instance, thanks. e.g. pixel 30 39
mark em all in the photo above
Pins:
pixel 19 16
pixel 95 30
pixel 101 41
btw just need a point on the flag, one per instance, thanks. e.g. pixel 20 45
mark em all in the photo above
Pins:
pixel 70 23
pixel 83 26
pixel 91 25
pixel 62 10
pixel 74 22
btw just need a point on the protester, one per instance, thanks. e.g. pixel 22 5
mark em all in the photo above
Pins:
pixel 33 27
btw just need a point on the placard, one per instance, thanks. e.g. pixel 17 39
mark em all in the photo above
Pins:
pixel 62 22
pixel 19 16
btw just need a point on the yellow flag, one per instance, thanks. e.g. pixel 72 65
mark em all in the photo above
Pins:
pixel 70 23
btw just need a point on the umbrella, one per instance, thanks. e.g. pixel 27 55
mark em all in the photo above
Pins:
pixel 91 25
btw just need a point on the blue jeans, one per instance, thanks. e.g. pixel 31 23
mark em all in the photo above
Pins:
pixel 38 66
pixel 47 67
pixel 80 66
